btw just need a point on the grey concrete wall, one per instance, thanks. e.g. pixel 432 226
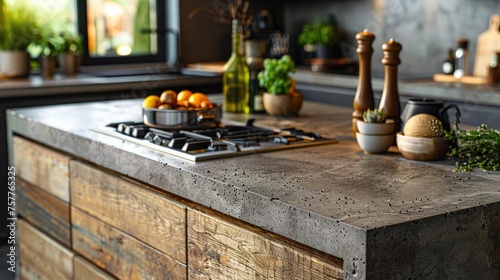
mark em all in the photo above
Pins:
pixel 425 28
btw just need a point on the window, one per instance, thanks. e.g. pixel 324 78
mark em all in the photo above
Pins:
pixel 122 31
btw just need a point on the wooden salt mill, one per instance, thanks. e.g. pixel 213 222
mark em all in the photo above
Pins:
pixel 363 99
pixel 390 95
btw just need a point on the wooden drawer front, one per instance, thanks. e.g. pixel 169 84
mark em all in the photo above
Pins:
pixel 119 253
pixel 219 250
pixel 42 167
pixel 40 257
pixel 84 270
pixel 46 212
pixel 131 208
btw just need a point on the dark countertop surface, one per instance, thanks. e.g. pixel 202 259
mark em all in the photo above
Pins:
pixel 334 198
pixel 35 85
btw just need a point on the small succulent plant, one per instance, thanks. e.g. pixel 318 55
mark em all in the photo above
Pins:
pixel 374 116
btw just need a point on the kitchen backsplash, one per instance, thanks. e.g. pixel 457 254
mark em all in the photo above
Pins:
pixel 426 29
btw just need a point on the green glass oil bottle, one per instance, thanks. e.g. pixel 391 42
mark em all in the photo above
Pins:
pixel 236 77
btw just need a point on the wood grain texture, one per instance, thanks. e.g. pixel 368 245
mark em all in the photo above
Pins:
pixel 150 217
pixel 120 254
pixel 44 211
pixel 42 167
pixel 40 257
pixel 219 250
pixel 84 270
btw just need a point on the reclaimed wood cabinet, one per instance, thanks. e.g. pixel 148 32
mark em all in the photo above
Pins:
pixel 219 249
pixel 86 222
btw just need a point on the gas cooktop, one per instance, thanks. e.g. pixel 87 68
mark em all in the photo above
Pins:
pixel 226 140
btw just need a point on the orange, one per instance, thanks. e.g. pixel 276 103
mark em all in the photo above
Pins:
pixel 152 101
pixel 184 95
pixel 206 104
pixel 169 97
pixel 196 98
pixel 165 106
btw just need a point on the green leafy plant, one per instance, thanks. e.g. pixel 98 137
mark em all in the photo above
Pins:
pixel 374 116
pixel 478 148
pixel 71 43
pixel 275 78
pixel 18 24
pixel 45 44
pixel 322 31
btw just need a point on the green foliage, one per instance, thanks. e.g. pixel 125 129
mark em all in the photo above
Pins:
pixel 478 148
pixel 275 77
pixel 322 31
pixel 19 23
pixel 374 116
pixel 45 44
pixel 71 44
pixel 4 26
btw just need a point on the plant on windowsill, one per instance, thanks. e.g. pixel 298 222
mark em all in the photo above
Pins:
pixel 375 134
pixel 321 39
pixel 71 53
pixel 45 47
pixel 17 26
pixel 280 97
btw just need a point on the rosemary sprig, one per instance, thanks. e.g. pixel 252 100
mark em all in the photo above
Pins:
pixel 475 149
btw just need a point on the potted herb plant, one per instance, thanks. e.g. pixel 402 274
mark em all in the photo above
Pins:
pixel 280 97
pixel 71 53
pixel 45 47
pixel 375 134
pixel 17 25
pixel 321 39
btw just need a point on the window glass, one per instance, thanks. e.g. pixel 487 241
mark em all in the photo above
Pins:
pixel 121 28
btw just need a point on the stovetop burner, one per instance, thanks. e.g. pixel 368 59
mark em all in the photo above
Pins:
pixel 211 143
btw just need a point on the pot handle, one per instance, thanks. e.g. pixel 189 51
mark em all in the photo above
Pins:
pixel 204 117
pixel 457 115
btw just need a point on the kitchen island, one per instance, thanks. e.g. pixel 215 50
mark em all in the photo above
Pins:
pixel 337 210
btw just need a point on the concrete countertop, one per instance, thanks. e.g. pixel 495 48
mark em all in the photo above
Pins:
pixel 385 216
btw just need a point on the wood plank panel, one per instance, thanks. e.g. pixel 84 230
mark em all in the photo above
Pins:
pixel 41 257
pixel 219 250
pixel 42 167
pixel 120 254
pixel 44 211
pixel 150 217
pixel 84 270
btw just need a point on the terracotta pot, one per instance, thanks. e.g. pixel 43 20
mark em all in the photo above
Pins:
pixel 70 63
pixel 277 105
pixel 283 104
pixel 48 67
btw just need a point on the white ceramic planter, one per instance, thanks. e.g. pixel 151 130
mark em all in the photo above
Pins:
pixel 14 63
pixel 374 144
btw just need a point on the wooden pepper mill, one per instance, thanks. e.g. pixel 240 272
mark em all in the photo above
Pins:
pixel 363 99
pixel 390 95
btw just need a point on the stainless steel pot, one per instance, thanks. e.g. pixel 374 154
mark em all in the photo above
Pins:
pixel 182 119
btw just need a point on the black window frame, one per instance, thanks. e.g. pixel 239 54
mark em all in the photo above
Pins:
pixel 88 60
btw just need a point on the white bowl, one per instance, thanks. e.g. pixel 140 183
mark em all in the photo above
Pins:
pixel 421 148
pixel 375 128
pixel 374 144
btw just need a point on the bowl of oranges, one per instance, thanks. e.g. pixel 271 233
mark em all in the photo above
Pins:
pixel 180 110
